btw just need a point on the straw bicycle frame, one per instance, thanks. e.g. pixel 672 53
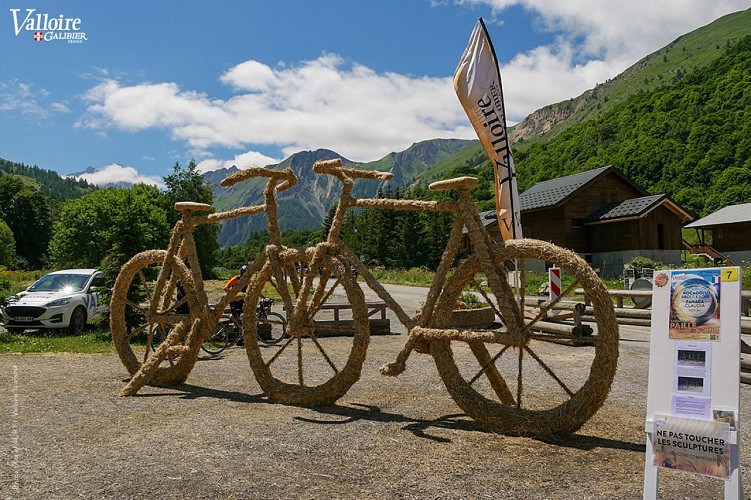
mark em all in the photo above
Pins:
pixel 431 331
pixel 170 336
pixel 304 370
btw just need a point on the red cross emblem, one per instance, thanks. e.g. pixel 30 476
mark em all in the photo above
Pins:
pixel 38 36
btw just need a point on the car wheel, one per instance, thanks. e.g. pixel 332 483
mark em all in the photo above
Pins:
pixel 77 321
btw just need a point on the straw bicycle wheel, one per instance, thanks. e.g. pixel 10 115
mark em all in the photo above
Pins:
pixel 143 312
pixel 526 382
pixel 317 361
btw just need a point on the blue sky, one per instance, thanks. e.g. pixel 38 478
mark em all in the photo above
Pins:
pixel 251 82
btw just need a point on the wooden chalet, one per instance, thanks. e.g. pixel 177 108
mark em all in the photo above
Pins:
pixel 602 215
pixel 730 228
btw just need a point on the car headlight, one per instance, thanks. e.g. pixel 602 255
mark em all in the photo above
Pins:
pixel 58 302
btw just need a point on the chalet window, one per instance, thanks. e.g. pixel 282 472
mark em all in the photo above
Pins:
pixel 577 223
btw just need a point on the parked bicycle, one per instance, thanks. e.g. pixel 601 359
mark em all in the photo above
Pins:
pixel 507 376
pixel 271 327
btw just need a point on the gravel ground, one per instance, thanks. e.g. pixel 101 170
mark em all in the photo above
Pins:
pixel 66 434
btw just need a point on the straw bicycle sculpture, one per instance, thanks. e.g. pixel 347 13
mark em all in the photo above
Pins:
pixel 503 376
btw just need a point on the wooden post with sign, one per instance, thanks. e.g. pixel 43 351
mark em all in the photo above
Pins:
pixel 693 420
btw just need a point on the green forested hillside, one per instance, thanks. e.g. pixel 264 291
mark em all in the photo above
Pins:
pixel 30 199
pixel 690 139
pixel 683 55
pixel 48 182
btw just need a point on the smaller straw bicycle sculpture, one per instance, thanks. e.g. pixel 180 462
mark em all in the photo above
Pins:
pixel 506 376
pixel 159 311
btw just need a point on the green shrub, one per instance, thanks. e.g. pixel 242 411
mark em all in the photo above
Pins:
pixel 639 263
pixel 472 301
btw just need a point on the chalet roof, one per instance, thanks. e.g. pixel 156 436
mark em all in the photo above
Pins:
pixel 615 211
pixel 627 209
pixel 489 218
pixel 733 214
pixel 554 192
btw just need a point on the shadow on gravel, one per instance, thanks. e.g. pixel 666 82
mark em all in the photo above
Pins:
pixel 420 428
pixel 588 443
pixel 196 392
pixel 417 427
pixel 458 421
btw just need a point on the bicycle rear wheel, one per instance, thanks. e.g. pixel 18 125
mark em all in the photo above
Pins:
pixel 526 382
pixel 314 365
pixel 144 311
pixel 272 328
pixel 221 339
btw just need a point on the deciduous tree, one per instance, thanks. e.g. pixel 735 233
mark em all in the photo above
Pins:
pixel 187 184
pixel 109 223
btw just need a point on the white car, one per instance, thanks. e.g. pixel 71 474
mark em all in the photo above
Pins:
pixel 63 299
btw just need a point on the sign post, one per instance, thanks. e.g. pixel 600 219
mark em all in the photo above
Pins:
pixel 693 421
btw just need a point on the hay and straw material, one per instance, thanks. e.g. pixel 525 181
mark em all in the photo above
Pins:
pixel 172 361
pixel 501 416
pixel 175 372
pixel 432 334
pixel 507 418
pixel 171 347
pixel 300 329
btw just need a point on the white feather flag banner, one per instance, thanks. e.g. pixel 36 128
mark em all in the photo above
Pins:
pixel 477 81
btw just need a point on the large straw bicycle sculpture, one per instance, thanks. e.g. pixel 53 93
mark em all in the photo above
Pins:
pixel 525 386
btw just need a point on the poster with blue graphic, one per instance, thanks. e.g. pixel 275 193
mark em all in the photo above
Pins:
pixel 695 305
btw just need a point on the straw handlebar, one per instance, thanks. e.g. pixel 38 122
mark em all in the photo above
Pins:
pixel 287 177
pixel 334 167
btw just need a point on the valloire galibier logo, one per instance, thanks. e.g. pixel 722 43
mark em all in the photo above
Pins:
pixel 44 27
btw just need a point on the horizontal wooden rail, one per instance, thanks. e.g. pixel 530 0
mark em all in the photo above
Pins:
pixel 373 308
pixel 620 294
pixel 337 327
pixel 630 315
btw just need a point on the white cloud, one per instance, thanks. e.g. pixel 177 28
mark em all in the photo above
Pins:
pixel 60 107
pixel 241 161
pixel 321 103
pixel 338 104
pixel 27 99
pixel 116 173
pixel 616 30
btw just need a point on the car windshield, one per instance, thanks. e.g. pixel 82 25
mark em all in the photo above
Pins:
pixel 60 283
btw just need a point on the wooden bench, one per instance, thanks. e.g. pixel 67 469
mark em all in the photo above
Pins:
pixel 379 325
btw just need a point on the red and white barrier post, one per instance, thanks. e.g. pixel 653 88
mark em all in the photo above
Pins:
pixel 554 283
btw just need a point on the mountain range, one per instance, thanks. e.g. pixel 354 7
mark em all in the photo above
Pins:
pixel 305 205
